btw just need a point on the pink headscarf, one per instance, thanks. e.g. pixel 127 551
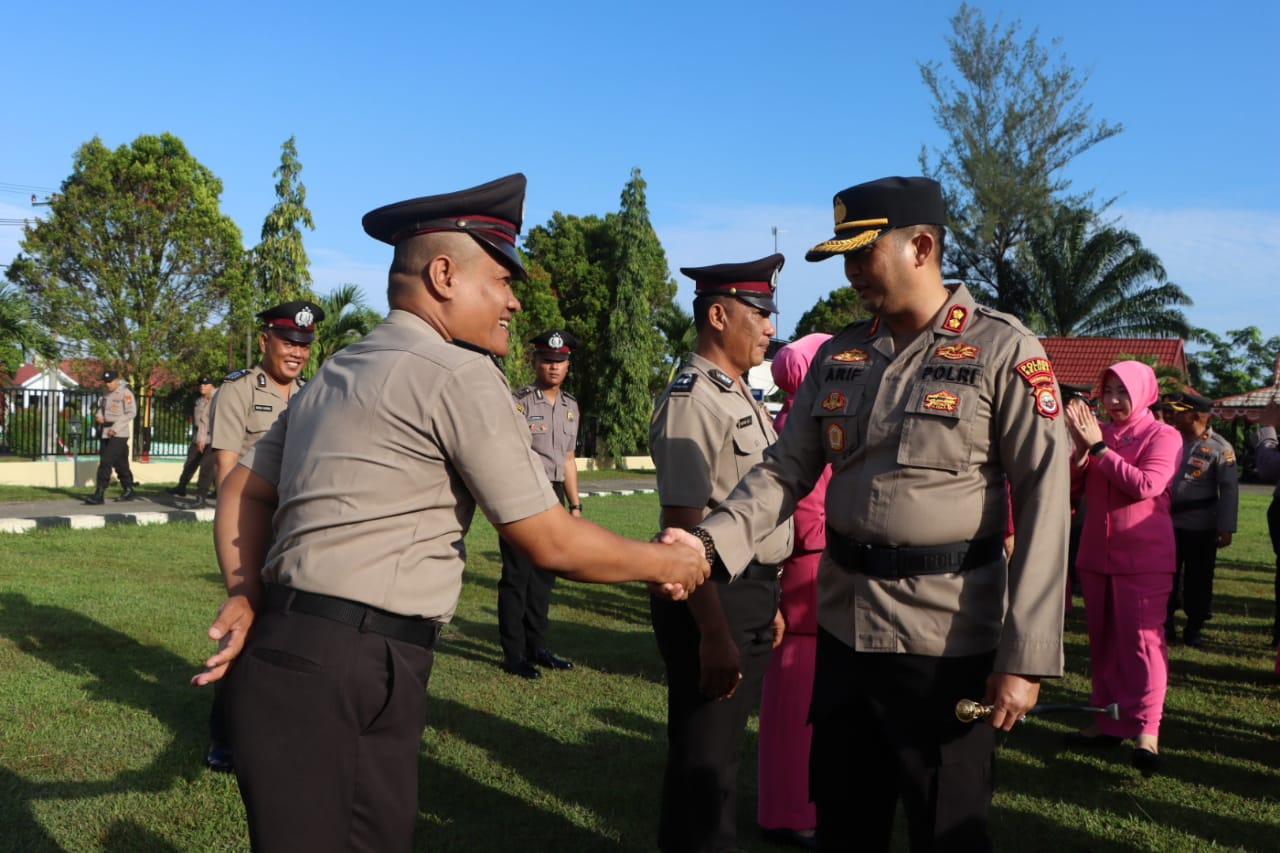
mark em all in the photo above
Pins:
pixel 790 364
pixel 1140 381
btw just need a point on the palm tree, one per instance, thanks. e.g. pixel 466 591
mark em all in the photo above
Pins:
pixel 347 319
pixel 1089 279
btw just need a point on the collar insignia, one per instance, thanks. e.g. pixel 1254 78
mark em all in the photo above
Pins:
pixel 957 317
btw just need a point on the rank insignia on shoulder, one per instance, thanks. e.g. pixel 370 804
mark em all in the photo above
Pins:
pixel 721 378
pixel 262 380
pixel 684 382
pixel 744 421
pixel 236 374
pixel 1229 456
pixel 851 355
pixel 956 352
pixel 957 319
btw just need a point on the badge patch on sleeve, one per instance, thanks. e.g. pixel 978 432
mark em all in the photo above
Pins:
pixel 835 437
pixel 834 401
pixel 1038 373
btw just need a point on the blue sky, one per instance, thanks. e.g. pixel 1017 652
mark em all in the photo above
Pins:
pixel 742 117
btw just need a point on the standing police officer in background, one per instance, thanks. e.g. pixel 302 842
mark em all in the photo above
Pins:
pixel 1205 503
pixel 922 412
pixel 199 454
pixel 241 412
pixel 250 400
pixel 341 534
pixel 116 410
pixel 707 432
pixel 524 591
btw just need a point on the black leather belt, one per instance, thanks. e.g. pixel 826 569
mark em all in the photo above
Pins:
pixel 753 572
pixel 411 629
pixel 880 561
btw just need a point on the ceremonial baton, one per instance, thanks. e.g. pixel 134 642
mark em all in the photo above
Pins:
pixel 969 711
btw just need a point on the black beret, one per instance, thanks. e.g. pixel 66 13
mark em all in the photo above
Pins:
pixel 754 282
pixel 554 344
pixel 491 213
pixel 866 212
pixel 294 321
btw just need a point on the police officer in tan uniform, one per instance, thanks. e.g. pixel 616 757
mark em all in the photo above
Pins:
pixel 199 454
pixel 524 590
pixel 116 410
pixel 241 412
pixel 708 431
pixel 341 534
pixel 1205 503
pixel 922 412
pixel 250 400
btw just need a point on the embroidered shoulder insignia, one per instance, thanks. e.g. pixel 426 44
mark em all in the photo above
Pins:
pixel 721 378
pixel 851 355
pixel 956 352
pixel 684 383
pixel 236 374
pixel 1038 373
pixel 957 319
pixel 834 401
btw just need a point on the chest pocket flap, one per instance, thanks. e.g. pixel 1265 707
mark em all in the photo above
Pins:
pixel 937 427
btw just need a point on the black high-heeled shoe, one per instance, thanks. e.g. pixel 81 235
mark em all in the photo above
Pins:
pixel 1145 760
pixel 1080 739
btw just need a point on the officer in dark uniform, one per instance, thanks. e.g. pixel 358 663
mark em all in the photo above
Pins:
pixel 341 534
pixel 524 591
pixel 241 412
pixel 1205 503
pixel 116 410
pixel 707 432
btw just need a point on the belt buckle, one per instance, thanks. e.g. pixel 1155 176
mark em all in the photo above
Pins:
pixel 363 627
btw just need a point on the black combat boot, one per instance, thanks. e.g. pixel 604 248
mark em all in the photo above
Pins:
pixel 127 494
pixel 95 498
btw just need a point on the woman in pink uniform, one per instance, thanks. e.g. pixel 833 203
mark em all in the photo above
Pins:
pixel 784 812
pixel 1126 558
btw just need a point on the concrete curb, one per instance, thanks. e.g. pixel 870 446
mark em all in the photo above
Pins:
pixel 142 517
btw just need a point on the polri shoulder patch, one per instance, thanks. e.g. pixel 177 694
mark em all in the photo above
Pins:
pixel 236 374
pixel 721 378
pixel 684 383
pixel 1038 373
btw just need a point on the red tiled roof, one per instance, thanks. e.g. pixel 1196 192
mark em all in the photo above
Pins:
pixel 1080 361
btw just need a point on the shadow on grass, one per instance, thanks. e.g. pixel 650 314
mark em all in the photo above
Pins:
pixel 116 670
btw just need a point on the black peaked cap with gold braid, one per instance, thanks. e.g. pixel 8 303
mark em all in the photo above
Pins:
pixel 866 212
pixel 753 282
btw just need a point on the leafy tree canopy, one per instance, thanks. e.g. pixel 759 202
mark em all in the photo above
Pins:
pixel 280 263
pixel 1241 362
pixel 832 313
pixel 135 257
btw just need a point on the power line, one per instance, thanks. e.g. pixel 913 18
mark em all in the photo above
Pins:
pixel 24 189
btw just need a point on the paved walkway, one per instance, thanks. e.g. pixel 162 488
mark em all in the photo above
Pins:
pixel 153 506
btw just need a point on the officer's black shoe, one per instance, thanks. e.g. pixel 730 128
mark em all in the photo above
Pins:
pixel 1191 636
pixel 127 494
pixel 791 838
pixel 95 499
pixel 177 491
pixel 522 668
pixel 219 757
pixel 545 658
pixel 201 502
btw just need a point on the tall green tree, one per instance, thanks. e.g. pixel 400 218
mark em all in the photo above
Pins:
pixel 1014 119
pixel 20 336
pixel 539 311
pixel 1085 278
pixel 1241 362
pixel 832 313
pixel 631 364
pixel 135 257
pixel 347 319
pixel 281 268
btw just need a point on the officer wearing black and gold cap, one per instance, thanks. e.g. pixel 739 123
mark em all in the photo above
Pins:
pixel 1204 508
pixel 524 590
pixel 922 412
pixel 707 431
pixel 116 410
pixel 341 534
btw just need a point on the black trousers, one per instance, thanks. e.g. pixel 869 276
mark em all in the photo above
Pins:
pixel 114 454
pixel 704 737
pixel 1273 526
pixel 884 730
pixel 1196 558
pixel 327 722
pixel 524 597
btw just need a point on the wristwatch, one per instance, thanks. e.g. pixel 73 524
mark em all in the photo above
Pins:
pixel 708 544
pixel 1098 448
pixel 572 507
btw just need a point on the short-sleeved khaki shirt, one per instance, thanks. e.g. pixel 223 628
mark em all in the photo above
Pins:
pixel 380 463
pixel 118 409
pixel 920 443
pixel 244 407
pixel 553 427
pixel 200 418
pixel 705 435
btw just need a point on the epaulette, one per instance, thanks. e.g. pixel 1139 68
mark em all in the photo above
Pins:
pixel 684 383
pixel 721 378
pixel 1008 319
pixel 236 374
pixel 523 392
pixel 569 396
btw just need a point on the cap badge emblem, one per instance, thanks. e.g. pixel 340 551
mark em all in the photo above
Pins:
pixel 555 341
pixel 839 210
pixel 304 317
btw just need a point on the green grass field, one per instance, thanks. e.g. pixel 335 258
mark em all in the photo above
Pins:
pixel 101 739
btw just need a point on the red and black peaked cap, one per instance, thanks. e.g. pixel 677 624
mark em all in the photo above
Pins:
pixel 866 212
pixel 491 213
pixel 754 282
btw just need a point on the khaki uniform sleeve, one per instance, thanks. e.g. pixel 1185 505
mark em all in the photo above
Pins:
pixel 265 456
pixel 1035 454
pixel 227 415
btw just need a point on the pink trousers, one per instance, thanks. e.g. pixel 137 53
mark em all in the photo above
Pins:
pixel 1127 653
pixel 785 736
